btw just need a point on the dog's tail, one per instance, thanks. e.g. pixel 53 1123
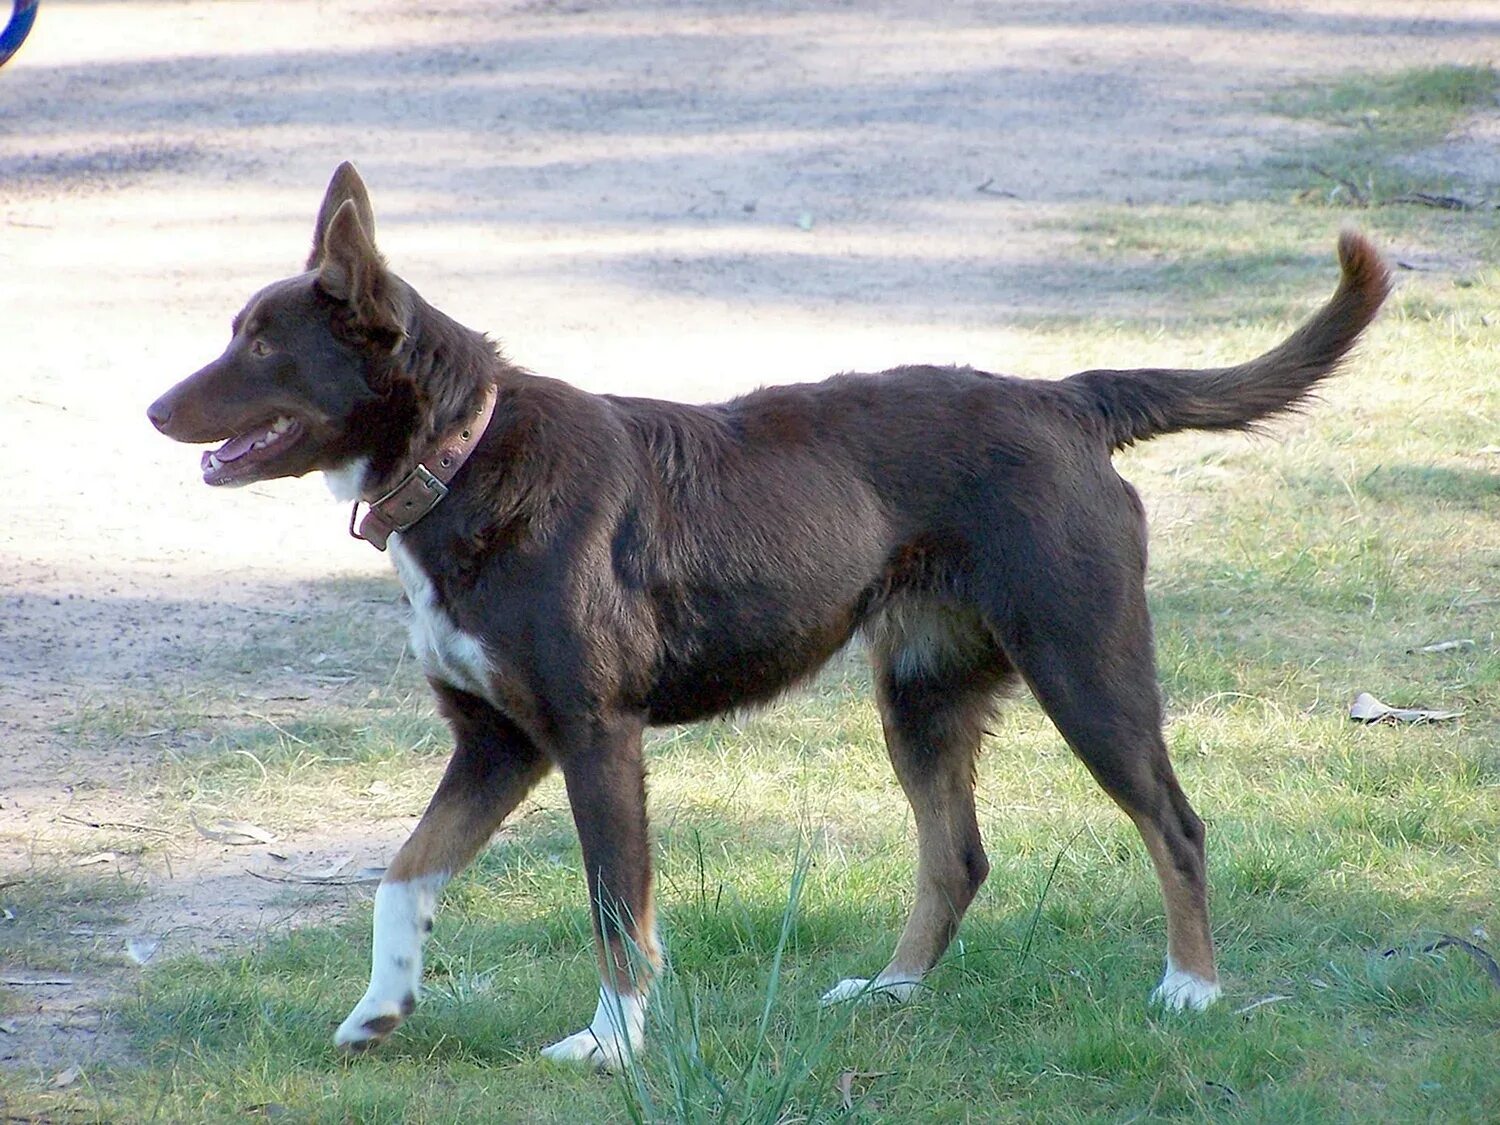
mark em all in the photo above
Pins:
pixel 1136 405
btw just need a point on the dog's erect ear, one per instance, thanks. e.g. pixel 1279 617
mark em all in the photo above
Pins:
pixel 346 186
pixel 351 270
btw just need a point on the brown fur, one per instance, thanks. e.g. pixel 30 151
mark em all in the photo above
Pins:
pixel 627 562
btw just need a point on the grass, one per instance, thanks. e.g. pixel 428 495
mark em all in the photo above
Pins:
pixel 41 910
pixel 1288 574
pixel 1373 124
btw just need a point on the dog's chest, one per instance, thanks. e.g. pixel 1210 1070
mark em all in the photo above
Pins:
pixel 447 652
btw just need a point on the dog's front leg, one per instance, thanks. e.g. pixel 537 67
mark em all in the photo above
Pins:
pixel 493 767
pixel 607 790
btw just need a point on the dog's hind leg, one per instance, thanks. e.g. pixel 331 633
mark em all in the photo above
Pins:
pixel 936 687
pixel 607 791
pixel 494 766
pixel 1090 663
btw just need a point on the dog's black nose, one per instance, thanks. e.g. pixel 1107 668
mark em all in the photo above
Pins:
pixel 160 414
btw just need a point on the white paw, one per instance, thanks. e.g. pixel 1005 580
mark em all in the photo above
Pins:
pixel 616 1034
pixel 371 1021
pixel 897 989
pixel 584 1048
pixel 1180 989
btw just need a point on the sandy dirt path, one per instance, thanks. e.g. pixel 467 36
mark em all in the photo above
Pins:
pixel 651 198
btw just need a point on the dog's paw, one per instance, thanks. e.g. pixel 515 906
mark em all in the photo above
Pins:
pixel 371 1022
pixel 896 990
pixel 584 1048
pixel 1180 990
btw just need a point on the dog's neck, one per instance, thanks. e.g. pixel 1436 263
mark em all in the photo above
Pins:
pixel 440 387
pixel 422 489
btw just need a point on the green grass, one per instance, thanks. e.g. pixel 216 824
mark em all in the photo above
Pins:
pixel 1288 574
pixel 1371 123
pixel 41 909
pixel 1330 844
pixel 1414 105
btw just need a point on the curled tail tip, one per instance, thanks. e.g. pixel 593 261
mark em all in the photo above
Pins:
pixel 1364 270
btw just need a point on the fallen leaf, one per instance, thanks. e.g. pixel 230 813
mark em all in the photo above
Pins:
pixel 332 876
pixel 1444 646
pixel 236 833
pixel 332 867
pixel 142 949
pixel 49 982
pixel 8 1027
pixel 66 1077
pixel 97 857
pixel 849 1078
pixel 1367 709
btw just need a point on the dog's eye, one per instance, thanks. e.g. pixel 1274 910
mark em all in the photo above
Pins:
pixel 259 347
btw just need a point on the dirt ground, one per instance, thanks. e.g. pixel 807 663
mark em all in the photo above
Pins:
pixel 685 199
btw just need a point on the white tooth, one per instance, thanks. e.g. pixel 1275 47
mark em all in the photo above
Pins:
pixel 282 425
pixel 272 435
pixel 214 462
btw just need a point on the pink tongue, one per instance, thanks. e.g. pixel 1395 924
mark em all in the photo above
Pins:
pixel 235 448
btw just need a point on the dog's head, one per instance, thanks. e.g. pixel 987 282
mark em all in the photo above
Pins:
pixel 307 358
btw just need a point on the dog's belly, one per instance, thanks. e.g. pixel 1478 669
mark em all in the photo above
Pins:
pixel 724 669
pixel 446 652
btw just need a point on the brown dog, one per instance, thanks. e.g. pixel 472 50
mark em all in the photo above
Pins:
pixel 598 565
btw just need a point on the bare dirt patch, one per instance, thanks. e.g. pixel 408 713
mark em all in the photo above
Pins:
pixel 647 198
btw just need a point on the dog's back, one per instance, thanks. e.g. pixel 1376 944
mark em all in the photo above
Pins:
pixel 753 538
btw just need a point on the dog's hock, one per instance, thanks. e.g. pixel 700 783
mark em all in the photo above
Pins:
pixel 616 1034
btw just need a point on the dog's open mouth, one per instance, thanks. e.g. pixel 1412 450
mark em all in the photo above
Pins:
pixel 243 456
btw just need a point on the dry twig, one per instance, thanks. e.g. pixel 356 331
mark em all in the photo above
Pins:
pixel 1357 197
pixel 1429 199
pixel 1444 941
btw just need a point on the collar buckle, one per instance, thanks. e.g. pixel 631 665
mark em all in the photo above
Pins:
pixel 423 474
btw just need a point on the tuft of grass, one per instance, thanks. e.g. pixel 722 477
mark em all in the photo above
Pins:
pixel 692 1075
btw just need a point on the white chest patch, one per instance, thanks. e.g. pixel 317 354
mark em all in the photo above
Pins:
pixel 346 481
pixel 447 652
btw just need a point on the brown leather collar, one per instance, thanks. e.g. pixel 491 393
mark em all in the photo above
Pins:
pixel 421 489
